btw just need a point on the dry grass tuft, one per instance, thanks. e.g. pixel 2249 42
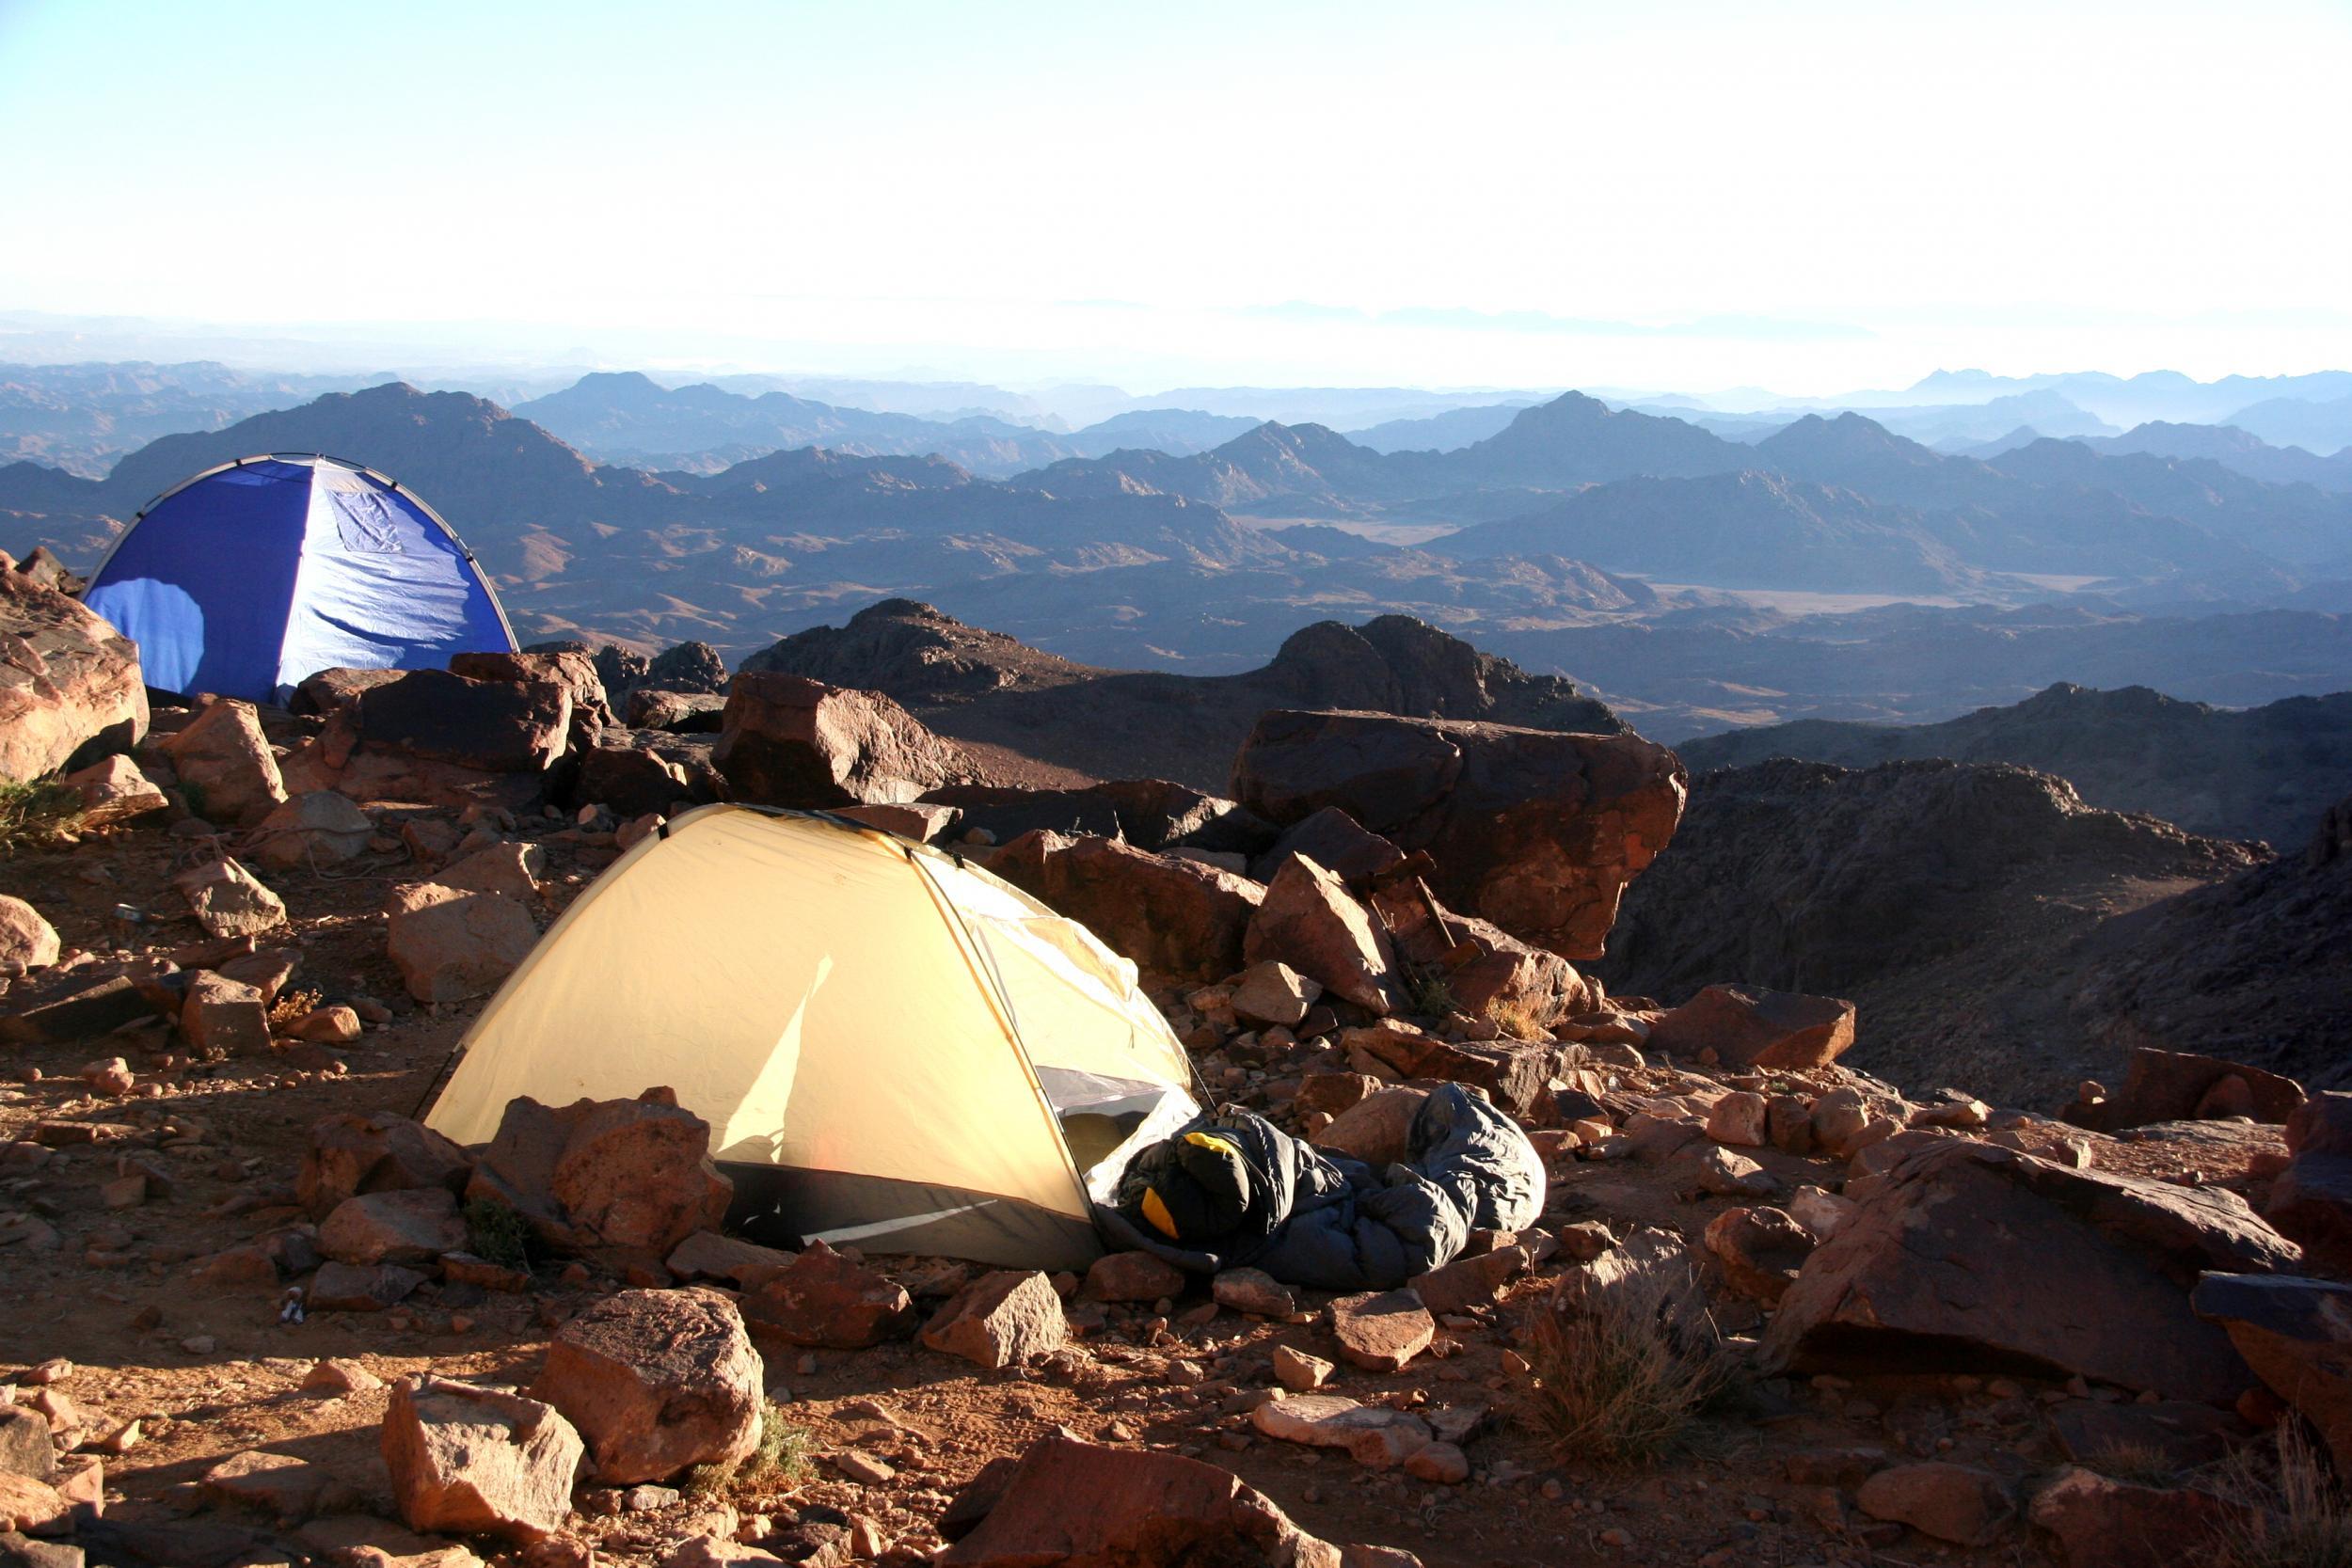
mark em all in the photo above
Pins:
pixel 37 815
pixel 2294 1511
pixel 1618 1382
pixel 291 1008
pixel 1518 1018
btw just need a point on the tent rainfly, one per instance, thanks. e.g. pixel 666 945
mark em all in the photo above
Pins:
pixel 893 1048
pixel 249 578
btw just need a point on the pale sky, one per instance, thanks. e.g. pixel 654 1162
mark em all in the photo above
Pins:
pixel 1808 196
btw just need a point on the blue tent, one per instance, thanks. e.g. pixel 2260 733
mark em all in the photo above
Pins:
pixel 252 576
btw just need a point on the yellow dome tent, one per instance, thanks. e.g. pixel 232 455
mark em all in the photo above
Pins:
pixel 894 1049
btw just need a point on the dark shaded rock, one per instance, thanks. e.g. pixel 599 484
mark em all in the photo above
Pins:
pixel 786 741
pixel 495 726
pixel 1175 918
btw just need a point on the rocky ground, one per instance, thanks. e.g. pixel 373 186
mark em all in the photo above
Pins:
pixel 251 1313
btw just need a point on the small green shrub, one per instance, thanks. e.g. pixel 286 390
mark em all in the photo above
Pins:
pixel 1430 996
pixel 781 1460
pixel 497 1234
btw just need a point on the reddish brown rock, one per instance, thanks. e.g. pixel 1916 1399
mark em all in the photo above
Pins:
pixel 1488 971
pixel 1310 921
pixel 472 1461
pixel 1176 919
pixel 27 941
pixel 1760 1249
pixel 1972 1258
pixel 414 1226
pixel 227 769
pixel 490 726
pixel 1534 830
pixel 825 1299
pixel 1000 1320
pixel 1334 840
pixel 788 741
pixel 225 1015
pixel 2171 1085
pixel 1748 1027
pixel 2101 1522
pixel 656 1381
pixel 630 781
pixel 349 1154
pixel 229 900
pixel 114 790
pixel 1473 1281
pixel 2297 1334
pixel 70 684
pixel 570 669
pixel 1377 1130
pixel 1381 1331
pixel 1951 1502
pixel 1133 1276
pixel 628 1174
pixel 452 945
pixel 1081 1505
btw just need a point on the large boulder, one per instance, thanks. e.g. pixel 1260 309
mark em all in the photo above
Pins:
pixel 1082 1505
pixel 450 945
pixel 1534 830
pixel 786 741
pixel 410 1225
pixel 1973 1257
pixel 1310 921
pixel 1336 841
pixel 634 1175
pixel 316 829
pixel 226 771
pixel 1177 919
pixel 2312 1199
pixel 472 1461
pixel 574 671
pixel 1746 1027
pixel 2175 1086
pixel 70 686
pixel 2297 1334
pixel 657 1381
pixel 495 726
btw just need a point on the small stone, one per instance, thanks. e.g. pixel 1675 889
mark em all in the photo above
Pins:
pixel 1253 1291
pixel 1381 1332
pixel 1299 1372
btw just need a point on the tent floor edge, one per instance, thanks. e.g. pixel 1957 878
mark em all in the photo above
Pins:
pixel 783 1207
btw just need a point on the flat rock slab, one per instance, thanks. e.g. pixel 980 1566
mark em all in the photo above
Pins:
pixel 1374 1436
pixel 1382 1331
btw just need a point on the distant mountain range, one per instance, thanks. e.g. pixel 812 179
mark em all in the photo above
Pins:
pixel 1552 541
pixel 627 417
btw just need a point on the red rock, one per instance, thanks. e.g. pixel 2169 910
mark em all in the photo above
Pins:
pixel 225 1015
pixel 361 1288
pixel 27 941
pixel 315 829
pixel 630 781
pixel 114 790
pixel 2171 1085
pixel 30 1506
pixel 1176 919
pixel 1748 1027
pixel 1466 1282
pixel 490 726
pixel 472 1461
pixel 2297 1335
pixel 350 1154
pixel 710 1254
pixel 451 945
pixel 25 1448
pixel 70 684
pixel 632 1174
pixel 287 1486
pixel 513 870
pixel 656 1381
pixel 825 1299
pixel 1377 1130
pixel 410 1226
pixel 788 741
pixel 1740 1119
pixel 1760 1249
pixel 1310 921
pixel 1381 1331
pixel 1951 1502
pixel 1081 1505
pixel 1133 1276
pixel 1972 1258
pixel 1374 1436
pixel 2101 1523
pixel 1335 840
pixel 1488 971
pixel 228 772
pixel 1534 830
pixel 999 1320
pixel 1274 992
pixel 229 900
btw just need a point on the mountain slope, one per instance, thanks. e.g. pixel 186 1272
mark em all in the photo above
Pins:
pixel 2241 452
pixel 1960 905
pixel 2257 773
